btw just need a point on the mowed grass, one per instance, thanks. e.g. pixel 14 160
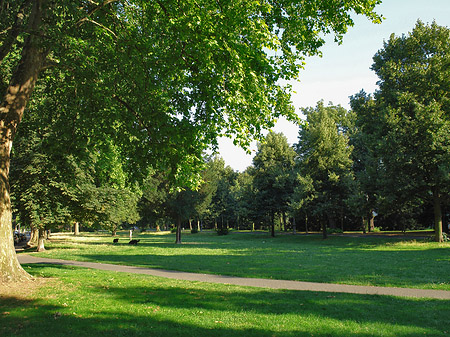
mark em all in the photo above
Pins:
pixel 367 260
pixel 85 302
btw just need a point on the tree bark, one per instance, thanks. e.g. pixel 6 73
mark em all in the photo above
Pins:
pixel 76 230
pixel 12 108
pixel 324 230
pixel 178 236
pixel 294 226
pixel 34 235
pixel 41 240
pixel 272 219
pixel 438 236
pixel 371 222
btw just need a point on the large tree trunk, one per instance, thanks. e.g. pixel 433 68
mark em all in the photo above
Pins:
pixel 12 108
pixel 438 237
pixel 41 240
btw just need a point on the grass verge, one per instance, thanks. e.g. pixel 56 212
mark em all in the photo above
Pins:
pixel 84 302
pixel 371 260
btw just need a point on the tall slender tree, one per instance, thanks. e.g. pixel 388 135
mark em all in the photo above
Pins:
pixel 274 165
pixel 324 161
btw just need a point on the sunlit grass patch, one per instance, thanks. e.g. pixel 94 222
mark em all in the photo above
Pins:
pixel 368 260
pixel 85 302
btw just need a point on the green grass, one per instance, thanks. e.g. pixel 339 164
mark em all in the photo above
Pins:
pixel 369 260
pixel 85 302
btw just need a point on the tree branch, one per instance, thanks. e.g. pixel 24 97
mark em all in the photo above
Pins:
pixel 100 25
pixel 95 9
pixel 14 31
pixel 134 112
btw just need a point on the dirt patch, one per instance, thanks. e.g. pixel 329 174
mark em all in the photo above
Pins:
pixel 23 290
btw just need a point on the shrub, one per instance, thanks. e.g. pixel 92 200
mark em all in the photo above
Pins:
pixel 335 230
pixel 173 230
pixel 194 230
pixel 222 231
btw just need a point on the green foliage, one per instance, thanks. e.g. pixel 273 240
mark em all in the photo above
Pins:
pixel 273 175
pixel 164 80
pixel 324 163
pixel 410 143
pixel 335 231
pixel 222 231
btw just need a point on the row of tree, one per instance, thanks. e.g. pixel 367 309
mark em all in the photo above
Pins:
pixel 389 156
pixel 152 83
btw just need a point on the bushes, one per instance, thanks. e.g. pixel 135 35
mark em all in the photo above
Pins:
pixel 222 231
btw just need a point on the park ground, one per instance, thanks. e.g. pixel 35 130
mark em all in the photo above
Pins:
pixel 68 300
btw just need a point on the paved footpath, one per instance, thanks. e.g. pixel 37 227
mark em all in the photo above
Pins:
pixel 251 282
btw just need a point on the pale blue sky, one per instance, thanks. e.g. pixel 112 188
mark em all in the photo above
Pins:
pixel 345 69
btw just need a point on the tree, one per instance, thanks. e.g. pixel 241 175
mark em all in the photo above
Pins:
pixel 414 117
pixel 274 164
pixel 324 161
pixel 244 197
pixel 173 75
pixel 368 166
pixel 222 207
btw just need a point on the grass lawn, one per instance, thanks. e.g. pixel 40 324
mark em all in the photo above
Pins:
pixel 73 301
pixel 368 260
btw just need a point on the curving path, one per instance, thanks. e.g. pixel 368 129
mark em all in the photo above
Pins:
pixel 251 282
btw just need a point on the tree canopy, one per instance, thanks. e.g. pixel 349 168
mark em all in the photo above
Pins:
pixel 164 78
pixel 412 117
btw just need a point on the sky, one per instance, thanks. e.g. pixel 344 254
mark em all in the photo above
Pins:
pixel 344 69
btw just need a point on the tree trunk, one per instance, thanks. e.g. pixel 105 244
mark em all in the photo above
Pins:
pixel 178 237
pixel 272 219
pixel 294 226
pixel 438 237
pixel 371 222
pixel 332 222
pixel 324 230
pixel 41 240
pixel 306 223
pixel 34 236
pixel 12 108
pixel 76 230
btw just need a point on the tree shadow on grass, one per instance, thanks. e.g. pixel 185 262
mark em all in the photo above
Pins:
pixel 98 303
